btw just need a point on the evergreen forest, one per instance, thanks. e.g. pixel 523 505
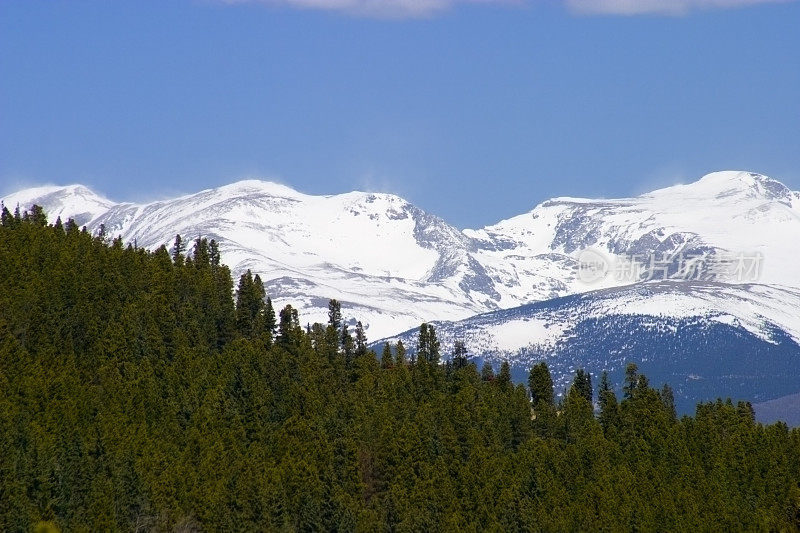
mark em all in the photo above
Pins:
pixel 150 391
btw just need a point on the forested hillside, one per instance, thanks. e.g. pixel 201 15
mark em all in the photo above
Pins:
pixel 139 391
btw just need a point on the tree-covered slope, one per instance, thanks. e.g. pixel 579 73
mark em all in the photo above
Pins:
pixel 140 393
pixel 708 340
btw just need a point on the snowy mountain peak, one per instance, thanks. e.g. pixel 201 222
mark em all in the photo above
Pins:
pixel 393 265
pixel 70 201
pixel 258 187
pixel 735 185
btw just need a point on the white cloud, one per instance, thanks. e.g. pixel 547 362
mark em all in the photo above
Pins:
pixel 378 8
pixel 425 8
pixel 656 7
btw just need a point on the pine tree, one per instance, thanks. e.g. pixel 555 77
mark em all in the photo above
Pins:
pixel 201 255
pixel 386 356
pixel 608 403
pixel 289 330
pixel 360 340
pixel 401 353
pixel 642 384
pixel 348 346
pixel 583 384
pixel 487 372
pixel 213 253
pixel 422 343
pixel 335 314
pixel 38 216
pixel 459 355
pixel 269 317
pixel 428 345
pixel 504 376
pixel 7 218
pixel 246 301
pixel 668 399
pixel 433 346
pixel 631 380
pixel 177 250
pixel 540 383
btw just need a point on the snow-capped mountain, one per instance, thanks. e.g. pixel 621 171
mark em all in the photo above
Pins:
pixel 390 264
pixel 706 339
pixel 734 227
pixel 393 265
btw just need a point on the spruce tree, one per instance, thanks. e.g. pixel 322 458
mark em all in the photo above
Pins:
pixel 487 372
pixel 177 250
pixel 631 380
pixel 201 254
pixel 607 399
pixel 102 236
pixel 459 355
pixel 335 314
pixel 213 253
pixel 583 384
pixel 360 340
pixel 7 218
pixel 38 216
pixel 386 356
pixel 401 353
pixel 289 331
pixel 348 346
pixel 668 399
pixel 540 383
pixel 422 343
pixel 433 346
pixel 246 301
pixel 428 345
pixel 504 376
pixel 269 317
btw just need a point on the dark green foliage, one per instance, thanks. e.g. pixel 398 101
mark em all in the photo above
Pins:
pixel 540 384
pixel 360 340
pixel 348 344
pixel 136 396
pixel 290 334
pixel 504 376
pixel 668 399
pixel 487 372
pixel 428 345
pixel 582 384
pixel 178 248
pixel 609 406
pixel 400 356
pixel 335 314
pixel 255 316
pixel 386 356
pixel 631 380
pixel 269 318
pixel 459 355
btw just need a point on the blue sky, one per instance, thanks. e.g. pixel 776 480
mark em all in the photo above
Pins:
pixel 473 110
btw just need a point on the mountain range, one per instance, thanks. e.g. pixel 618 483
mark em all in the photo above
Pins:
pixel 583 282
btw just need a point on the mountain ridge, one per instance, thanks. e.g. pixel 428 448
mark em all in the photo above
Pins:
pixel 394 265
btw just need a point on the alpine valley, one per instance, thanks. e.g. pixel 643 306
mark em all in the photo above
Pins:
pixel 699 284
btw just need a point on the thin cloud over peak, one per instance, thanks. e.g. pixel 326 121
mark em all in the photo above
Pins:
pixel 425 8
pixel 657 7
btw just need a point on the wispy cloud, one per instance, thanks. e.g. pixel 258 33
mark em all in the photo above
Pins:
pixel 378 8
pixel 657 7
pixel 427 8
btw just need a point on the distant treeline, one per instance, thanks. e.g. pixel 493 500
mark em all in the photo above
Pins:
pixel 139 391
